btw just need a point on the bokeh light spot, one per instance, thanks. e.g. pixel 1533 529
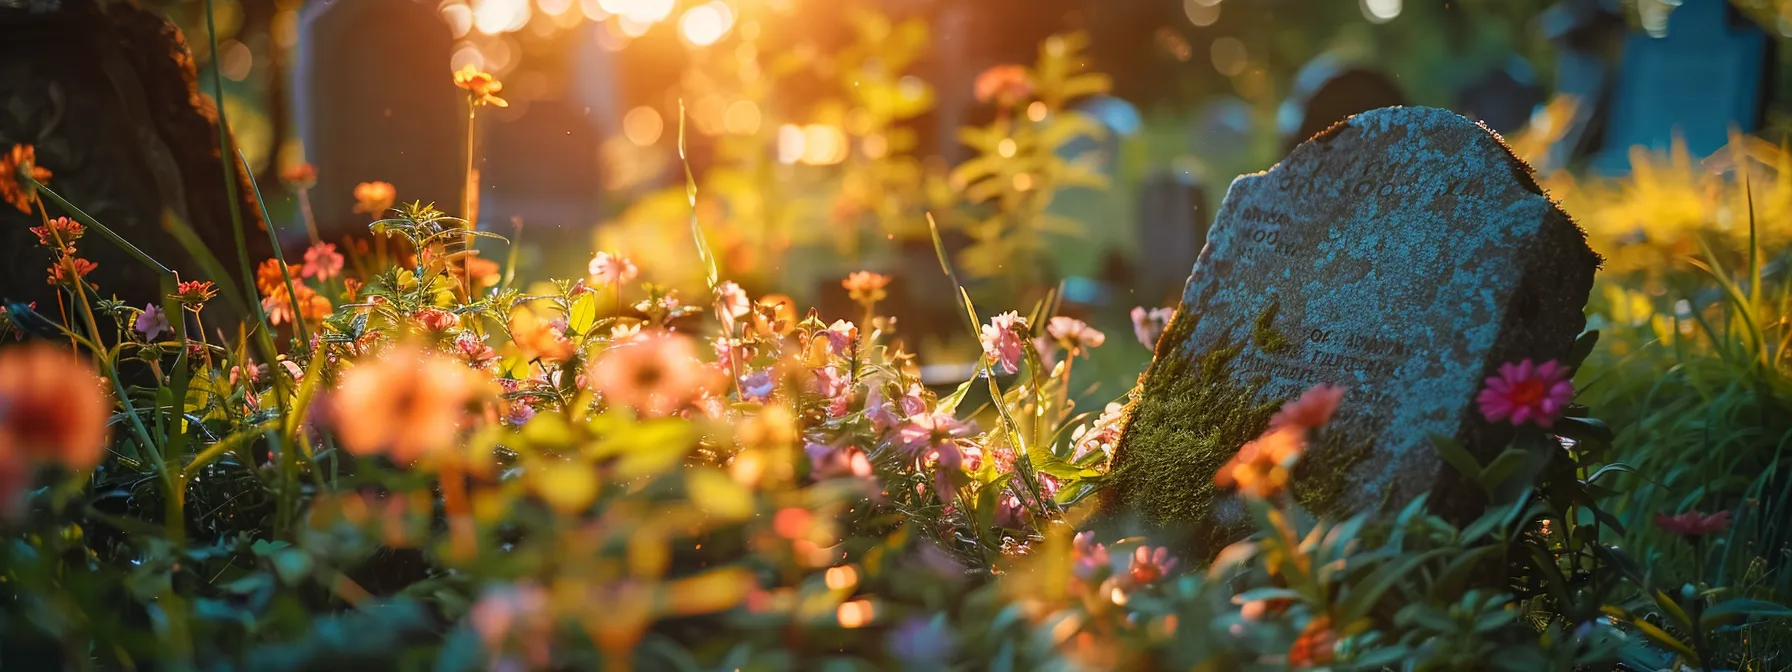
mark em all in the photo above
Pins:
pixel 1229 56
pixel 642 126
pixel 742 118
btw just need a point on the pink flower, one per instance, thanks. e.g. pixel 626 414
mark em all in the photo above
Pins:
pixel 322 262
pixel 522 613
pixel 756 386
pixel 731 302
pixel 1011 513
pixel 1003 342
pixel 1148 325
pixel 1312 410
pixel 932 431
pixel 829 382
pixel 885 414
pixel 1091 557
pixel 1524 392
pixel 151 322
pixel 1149 564
pixel 611 269
pixel 1693 523
pixel 728 352
pixel 474 351
pixel 829 462
pixel 840 336
pixel 436 319
pixel 1100 435
pixel 1074 334
pixel 655 375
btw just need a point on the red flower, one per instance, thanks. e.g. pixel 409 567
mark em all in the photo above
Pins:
pixel 1524 392
pixel 1315 645
pixel 1312 410
pixel 59 234
pixel 59 271
pixel 1693 523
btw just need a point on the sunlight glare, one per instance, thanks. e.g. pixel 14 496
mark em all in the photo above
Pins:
pixel 1381 11
pixel 704 24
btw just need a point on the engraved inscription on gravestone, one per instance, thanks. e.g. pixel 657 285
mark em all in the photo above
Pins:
pixel 1404 255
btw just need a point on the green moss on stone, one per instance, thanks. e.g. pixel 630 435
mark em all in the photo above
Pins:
pixel 1264 334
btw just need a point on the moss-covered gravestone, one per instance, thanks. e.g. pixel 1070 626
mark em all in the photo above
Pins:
pixel 1403 254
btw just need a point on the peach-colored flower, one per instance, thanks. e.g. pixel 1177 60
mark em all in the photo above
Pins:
pixel 1074 334
pixel 1312 410
pixel 655 374
pixel 59 234
pixel 52 408
pixel 1004 342
pixel 731 302
pixel 436 319
pixel 540 338
pixel 322 261
pixel 311 305
pixel 14 167
pixel 60 271
pixel 405 403
pixel 1316 644
pixel 299 175
pixel 1005 85
pixel 350 288
pixel 1262 468
pixel 865 287
pixel 482 87
pixel 374 198
pixel 611 269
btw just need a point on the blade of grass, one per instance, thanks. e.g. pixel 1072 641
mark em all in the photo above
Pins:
pixel 292 297
pixel 690 194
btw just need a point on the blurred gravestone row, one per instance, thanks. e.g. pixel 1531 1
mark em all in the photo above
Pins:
pixel 1503 97
pixel 109 98
pixel 1326 91
pixel 1325 269
pixel 377 102
pixel 1173 214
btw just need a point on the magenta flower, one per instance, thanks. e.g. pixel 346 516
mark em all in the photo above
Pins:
pixel 322 261
pixel 1003 342
pixel 827 461
pixel 1524 392
pixel 151 322
pixel 1148 325
pixel 1693 523
pixel 830 383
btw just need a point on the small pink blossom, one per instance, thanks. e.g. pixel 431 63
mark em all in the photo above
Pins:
pixel 1526 392
pixel 436 319
pixel 1004 342
pixel 322 261
pixel 926 432
pixel 1092 558
pixel 474 351
pixel 885 413
pixel 830 382
pixel 840 336
pixel 731 302
pixel 1149 325
pixel 151 322
pixel 830 462
pixel 1149 565
pixel 623 333
pixel 519 613
pixel 611 269
pixel 1099 435
pixel 1312 410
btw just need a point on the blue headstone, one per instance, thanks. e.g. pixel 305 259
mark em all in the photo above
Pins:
pixel 1705 77
pixel 1504 97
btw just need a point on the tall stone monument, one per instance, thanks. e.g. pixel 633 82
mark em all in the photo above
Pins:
pixel 1403 254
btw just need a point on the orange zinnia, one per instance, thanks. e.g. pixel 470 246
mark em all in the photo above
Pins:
pixel 1262 468
pixel 406 403
pixel 52 408
pixel 539 338
pixel 15 166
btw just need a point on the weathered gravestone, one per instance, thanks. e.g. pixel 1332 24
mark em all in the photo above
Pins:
pixel 377 102
pixel 1706 77
pixel 108 97
pixel 1404 255
pixel 1173 216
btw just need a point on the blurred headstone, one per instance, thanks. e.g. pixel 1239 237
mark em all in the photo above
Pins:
pixel 1173 216
pixel 110 101
pixel 541 166
pixel 1223 127
pixel 1118 118
pixel 1588 35
pixel 1504 97
pixel 377 102
pixel 1404 255
pixel 1706 77
pixel 1326 91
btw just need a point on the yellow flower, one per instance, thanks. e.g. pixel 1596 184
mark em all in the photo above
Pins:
pixel 482 86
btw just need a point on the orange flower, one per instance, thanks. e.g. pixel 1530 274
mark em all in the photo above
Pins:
pixel 484 271
pixel 194 293
pixel 654 374
pixel 59 234
pixel 52 408
pixel 350 288
pixel 374 198
pixel 15 166
pixel 482 87
pixel 1315 646
pixel 406 403
pixel 539 338
pixel 866 287
pixel 1005 85
pixel 1261 468
pixel 312 306
pixel 268 277
pixel 300 175
pixel 59 271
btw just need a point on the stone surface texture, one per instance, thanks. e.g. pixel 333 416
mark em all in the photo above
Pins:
pixel 1403 254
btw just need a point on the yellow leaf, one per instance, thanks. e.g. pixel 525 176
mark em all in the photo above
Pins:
pixel 567 487
pixel 718 495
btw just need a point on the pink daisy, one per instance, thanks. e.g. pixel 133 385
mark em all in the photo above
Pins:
pixel 1524 392
pixel 322 261
pixel 1004 342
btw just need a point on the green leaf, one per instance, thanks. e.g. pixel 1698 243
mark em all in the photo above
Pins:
pixel 1457 456
pixel 1591 430
pixel 1362 597
pixel 1671 609
pixel 1583 346
pixel 1730 612
pixel 292 565
pixel 1502 468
